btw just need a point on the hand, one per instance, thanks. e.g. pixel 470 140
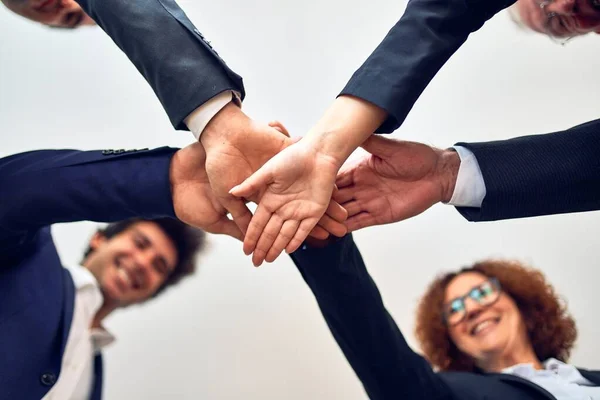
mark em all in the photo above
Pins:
pixel 296 187
pixel 235 147
pixel 398 180
pixel 193 199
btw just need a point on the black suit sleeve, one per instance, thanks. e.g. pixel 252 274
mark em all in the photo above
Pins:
pixel 365 331
pixel 539 175
pixel 429 32
pixel 179 64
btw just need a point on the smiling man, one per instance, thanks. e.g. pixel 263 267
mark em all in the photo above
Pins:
pixel 51 312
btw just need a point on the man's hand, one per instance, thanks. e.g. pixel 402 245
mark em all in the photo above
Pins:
pixel 193 199
pixel 398 180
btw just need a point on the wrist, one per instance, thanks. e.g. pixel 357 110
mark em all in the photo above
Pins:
pixel 230 124
pixel 347 123
pixel 447 172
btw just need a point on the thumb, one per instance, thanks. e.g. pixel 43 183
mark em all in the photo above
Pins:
pixel 380 146
pixel 253 184
pixel 279 126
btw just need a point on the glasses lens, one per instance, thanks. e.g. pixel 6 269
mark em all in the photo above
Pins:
pixel 485 294
pixel 455 311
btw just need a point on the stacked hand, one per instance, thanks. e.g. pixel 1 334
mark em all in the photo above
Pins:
pixel 398 180
pixel 232 147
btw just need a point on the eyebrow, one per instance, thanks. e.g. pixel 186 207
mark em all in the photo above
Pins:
pixel 160 259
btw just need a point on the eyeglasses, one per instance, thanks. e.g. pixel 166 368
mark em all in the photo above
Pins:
pixel 554 23
pixel 485 294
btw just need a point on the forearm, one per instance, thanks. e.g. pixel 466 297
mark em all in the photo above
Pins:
pixel 50 186
pixel 347 123
pixel 180 66
pixel 354 311
pixel 539 174
pixel 414 50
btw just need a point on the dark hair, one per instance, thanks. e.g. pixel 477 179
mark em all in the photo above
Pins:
pixel 188 242
pixel 551 329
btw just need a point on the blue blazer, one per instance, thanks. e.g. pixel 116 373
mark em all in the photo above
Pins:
pixel 374 346
pixel 38 189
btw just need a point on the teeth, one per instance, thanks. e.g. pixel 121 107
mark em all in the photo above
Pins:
pixel 481 325
pixel 125 276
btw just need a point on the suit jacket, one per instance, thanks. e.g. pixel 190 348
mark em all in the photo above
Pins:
pixel 168 50
pixel 429 32
pixel 38 189
pixel 539 175
pixel 374 346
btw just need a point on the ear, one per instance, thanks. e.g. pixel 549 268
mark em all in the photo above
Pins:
pixel 97 240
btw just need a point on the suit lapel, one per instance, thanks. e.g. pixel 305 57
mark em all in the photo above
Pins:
pixel 592 376
pixel 524 383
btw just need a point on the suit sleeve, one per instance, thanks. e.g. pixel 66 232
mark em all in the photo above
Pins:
pixel 536 175
pixel 370 339
pixel 414 50
pixel 41 188
pixel 168 50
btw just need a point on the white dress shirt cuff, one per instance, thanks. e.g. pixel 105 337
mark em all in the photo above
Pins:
pixel 201 116
pixel 469 190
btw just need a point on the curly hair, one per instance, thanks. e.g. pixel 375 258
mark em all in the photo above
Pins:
pixel 189 241
pixel 550 327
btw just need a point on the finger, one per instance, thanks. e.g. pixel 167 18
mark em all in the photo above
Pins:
pixel 337 212
pixel 332 226
pixel 255 229
pixel 353 208
pixel 319 233
pixel 345 178
pixel 240 214
pixel 344 195
pixel 280 127
pixel 253 184
pixel 303 230
pixel 380 146
pixel 227 227
pixel 288 230
pixel 267 238
pixel 360 221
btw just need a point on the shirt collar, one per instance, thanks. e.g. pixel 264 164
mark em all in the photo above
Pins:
pixel 84 280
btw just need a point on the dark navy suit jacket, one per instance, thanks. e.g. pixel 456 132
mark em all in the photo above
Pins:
pixel 374 346
pixel 38 189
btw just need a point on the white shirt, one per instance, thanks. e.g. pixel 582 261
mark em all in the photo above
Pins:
pixel 76 378
pixel 469 190
pixel 201 116
pixel 562 380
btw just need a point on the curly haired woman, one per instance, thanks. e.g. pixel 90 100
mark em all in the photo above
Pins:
pixel 493 331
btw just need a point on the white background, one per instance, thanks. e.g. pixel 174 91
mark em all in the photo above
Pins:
pixel 232 331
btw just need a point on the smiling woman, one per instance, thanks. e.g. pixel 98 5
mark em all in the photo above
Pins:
pixel 518 319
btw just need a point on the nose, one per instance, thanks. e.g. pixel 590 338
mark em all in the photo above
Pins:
pixel 472 309
pixel 142 265
pixel 562 7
